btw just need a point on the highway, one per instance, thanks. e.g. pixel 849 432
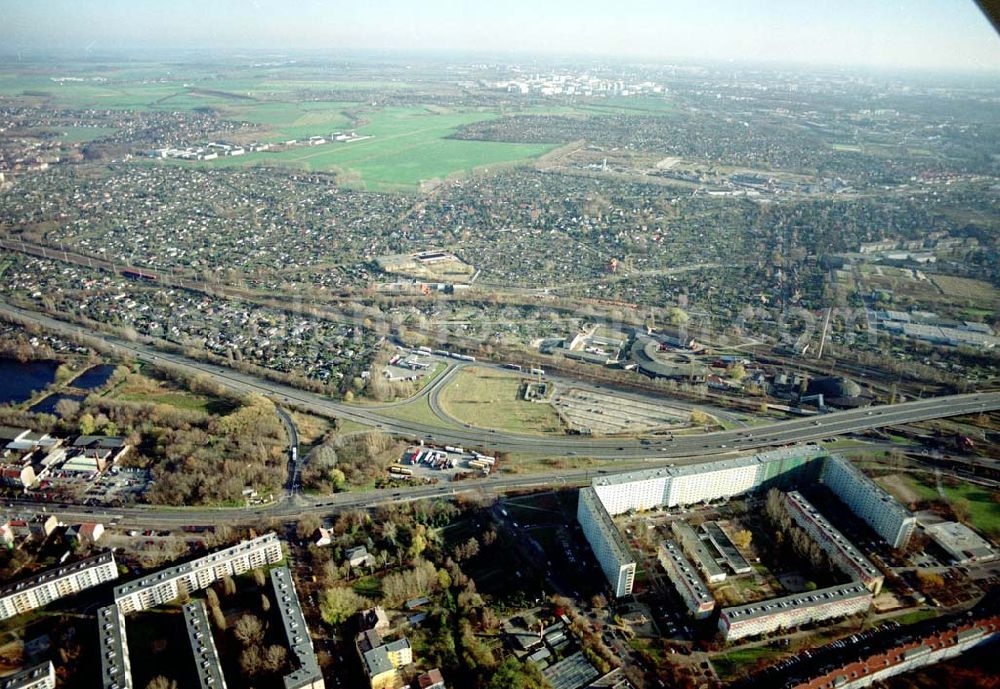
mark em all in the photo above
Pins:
pixel 743 439
pixel 148 516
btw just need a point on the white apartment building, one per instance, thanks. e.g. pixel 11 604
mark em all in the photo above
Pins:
pixel 28 594
pixel 841 551
pixel 869 501
pixel 671 486
pixel 684 578
pixel 797 609
pixel 687 485
pixel 698 483
pixel 42 676
pixel 169 584
pixel 116 667
pixel 640 490
pixel 607 543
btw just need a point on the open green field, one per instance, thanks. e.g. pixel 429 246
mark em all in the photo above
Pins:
pixel 408 146
pixel 80 134
pixel 740 661
pixel 418 410
pixel 984 513
pixel 490 399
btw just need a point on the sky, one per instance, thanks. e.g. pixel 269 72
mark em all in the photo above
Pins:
pixel 921 34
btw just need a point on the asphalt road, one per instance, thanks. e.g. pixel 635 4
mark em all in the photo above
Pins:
pixel 147 516
pixel 294 462
pixel 779 433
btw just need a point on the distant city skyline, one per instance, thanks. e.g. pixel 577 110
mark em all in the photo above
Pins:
pixel 922 34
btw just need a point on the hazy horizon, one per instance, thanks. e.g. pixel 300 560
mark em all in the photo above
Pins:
pixel 940 35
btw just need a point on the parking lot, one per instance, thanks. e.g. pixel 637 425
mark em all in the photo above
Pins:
pixel 113 487
pixel 438 464
pixel 604 413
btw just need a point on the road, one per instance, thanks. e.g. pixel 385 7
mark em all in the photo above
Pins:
pixel 147 516
pixel 778 433
pixel 294 465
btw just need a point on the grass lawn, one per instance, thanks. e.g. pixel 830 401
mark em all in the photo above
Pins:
pixel 984 514
pixel 80 134
pixel 490 399
pixel 915 616
pixel 417 410
pixel 180 400
pixel 346 426
pixel 139 388
pixel 368 586
pixel 740 661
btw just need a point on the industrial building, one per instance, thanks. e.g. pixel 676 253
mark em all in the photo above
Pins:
pixel 690 587
pixel 206 656
pixel 610 548
pixel 38 591
pixel 841 551
pixel 797 609
pixel 962 544
pixel 672 486
pixel 42 676
pixel 307 675
pixel 116 667
pixel 169 584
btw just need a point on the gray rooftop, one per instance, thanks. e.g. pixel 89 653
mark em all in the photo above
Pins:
pixel 206 657
pixel 29 676
pixel 55 574
pixel 296 631
pixel 844 546
pixel 178 570
pixel 113 649
pixel 377 661
pixel 689 539
pixel 725 545
pixel 572 672
pixel 806 599
pixel 684 570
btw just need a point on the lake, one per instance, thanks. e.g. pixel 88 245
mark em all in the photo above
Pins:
pixel 48 404
pixel 94 377
pixel 18 380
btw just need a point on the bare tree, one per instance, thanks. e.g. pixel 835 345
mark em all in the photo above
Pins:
pixel 248 630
